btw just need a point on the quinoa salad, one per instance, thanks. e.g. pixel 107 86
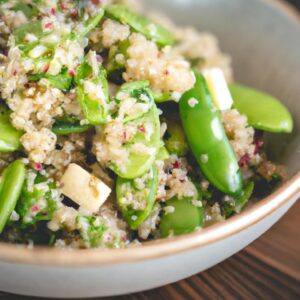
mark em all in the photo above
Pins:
pixel 118 127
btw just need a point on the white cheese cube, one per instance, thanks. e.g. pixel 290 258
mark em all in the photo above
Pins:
pixel 218 88
pixel 84 188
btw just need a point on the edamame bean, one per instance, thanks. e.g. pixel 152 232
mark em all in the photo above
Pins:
pixel 141 192
pixel 263 111
pixel 185 217
pixel 12 180
pixel 207 139
pixel 141 24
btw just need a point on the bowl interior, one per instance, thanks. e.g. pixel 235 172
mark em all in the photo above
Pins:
pixel 264 46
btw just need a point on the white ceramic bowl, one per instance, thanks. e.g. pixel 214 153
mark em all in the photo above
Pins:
pixel 263 38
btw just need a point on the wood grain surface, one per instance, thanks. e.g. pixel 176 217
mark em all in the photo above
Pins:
pixel 267 269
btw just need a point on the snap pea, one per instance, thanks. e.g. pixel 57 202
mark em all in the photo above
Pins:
pixel 263 111
pixel 9 136
pixel 139 194
pixel 175 141
pixel 93 105
pixel 140 91
pixel 185 218
pixel 69 125
pixel 141 24
pixel 207 139
pixel 140 161
pixel 237 204
pixel 11 185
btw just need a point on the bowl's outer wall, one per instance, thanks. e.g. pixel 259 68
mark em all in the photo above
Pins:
pixel 83 282
pixel 265 51
pixel 265 47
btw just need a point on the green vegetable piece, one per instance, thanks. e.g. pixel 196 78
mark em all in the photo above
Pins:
pixel 94 109
pixel 175 141
pixel 90 24
pixel 142 196
pixel 140 161
pixel 35 28
pixel 61 81
pixel 162 97
pixel 9 136
pixel 263 111
pixel 141 24
pixel 140 91
pixel 208 141
pixel 162 154
pixel 29 208
pixel 11 185
pixel 91 232
pixel 69 125
pixel 28 10
pixel 185 218
pixel 238 203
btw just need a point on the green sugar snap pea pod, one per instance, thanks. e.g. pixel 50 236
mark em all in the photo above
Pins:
pixel 142 148
pixel 138 94
pixel 11 185
pixel 92 93
pixel 9 136
pixel 136 197
pixel 263 111
pixel 207 139
pixel 69 125
pixel 141 24
pixel 184 217
pixel 175 141
pixel 235 205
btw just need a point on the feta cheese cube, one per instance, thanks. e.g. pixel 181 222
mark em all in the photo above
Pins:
pixel 218 88
pixel 85 189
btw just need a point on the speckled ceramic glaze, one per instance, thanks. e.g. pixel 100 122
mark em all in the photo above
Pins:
pixel 263 37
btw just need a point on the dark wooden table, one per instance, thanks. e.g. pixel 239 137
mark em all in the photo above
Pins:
pixel 267 269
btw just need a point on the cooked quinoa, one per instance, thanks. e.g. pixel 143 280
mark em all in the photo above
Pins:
pixel 83 87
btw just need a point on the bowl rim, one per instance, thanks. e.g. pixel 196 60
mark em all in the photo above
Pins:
pixel 45 256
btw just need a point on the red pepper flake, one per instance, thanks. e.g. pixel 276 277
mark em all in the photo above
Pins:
pixel 46 68
pixel 258 145
pixel 124 135
pixel 244 160
pixel 53 11
pixel 38 166
pixel 48 25
pixel 124 237
pixel 167 72
pixel 62 6
pixel 176 164
pixel 72 72
pixel 74 14
pixel 15 72
pixel 34 208
pixel 142 129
